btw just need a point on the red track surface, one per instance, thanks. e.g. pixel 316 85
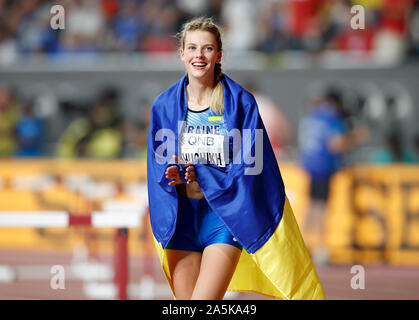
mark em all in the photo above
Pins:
pixel 381 282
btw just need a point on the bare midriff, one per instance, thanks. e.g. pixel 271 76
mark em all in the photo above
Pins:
pixel 191 190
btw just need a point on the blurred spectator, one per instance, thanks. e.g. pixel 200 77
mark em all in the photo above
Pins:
pixel 163 21
pixel 30 133
pixel 304 21
pixel 274 27
pixel 358 43
pixel 276 123
pixel 34 32
pixel 129 26
pixel 109 8
pixel 323 141
pixel 416 147
pixel 9 114
pixel 8 45
pixel 84 26
pixel 331 18
pixel 215 10
pixel 194 8
pixel 394 15
pixel 391 40
pixel 414 31
pixel 372 9
pixel 96 136
pixel 394 151
pixel 239 20
pixel 271 26
pixel 136 134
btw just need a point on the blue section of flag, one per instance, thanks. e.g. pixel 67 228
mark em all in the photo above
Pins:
pixel 251 206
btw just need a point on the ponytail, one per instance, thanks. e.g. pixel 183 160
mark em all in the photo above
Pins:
pixel 217 97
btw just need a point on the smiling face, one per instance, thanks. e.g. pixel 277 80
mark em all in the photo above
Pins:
pixel 200 53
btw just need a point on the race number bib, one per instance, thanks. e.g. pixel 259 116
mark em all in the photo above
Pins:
pixel 208 148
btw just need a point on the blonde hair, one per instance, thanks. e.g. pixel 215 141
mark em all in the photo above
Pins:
pixel 207 24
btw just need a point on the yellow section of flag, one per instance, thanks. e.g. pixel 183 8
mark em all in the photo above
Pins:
pixel 215 118
pixel 281 268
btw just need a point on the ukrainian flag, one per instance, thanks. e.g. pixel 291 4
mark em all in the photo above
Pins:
pixel 281 269
pixel 248 197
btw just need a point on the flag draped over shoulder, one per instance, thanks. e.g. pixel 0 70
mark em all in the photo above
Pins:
pixel 248 195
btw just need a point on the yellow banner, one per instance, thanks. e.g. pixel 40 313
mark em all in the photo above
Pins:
pixel 372 217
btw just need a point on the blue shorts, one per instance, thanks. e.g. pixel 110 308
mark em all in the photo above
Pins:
pixel 198 226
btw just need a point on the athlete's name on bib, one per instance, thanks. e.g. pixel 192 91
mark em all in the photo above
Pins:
pixel 247 146
pixel 208 147
pixel 206 129
pixel 206 157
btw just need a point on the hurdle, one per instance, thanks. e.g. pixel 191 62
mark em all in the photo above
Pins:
pixel 120 220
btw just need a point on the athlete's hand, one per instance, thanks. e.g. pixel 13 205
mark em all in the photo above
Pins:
pixel 173 173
